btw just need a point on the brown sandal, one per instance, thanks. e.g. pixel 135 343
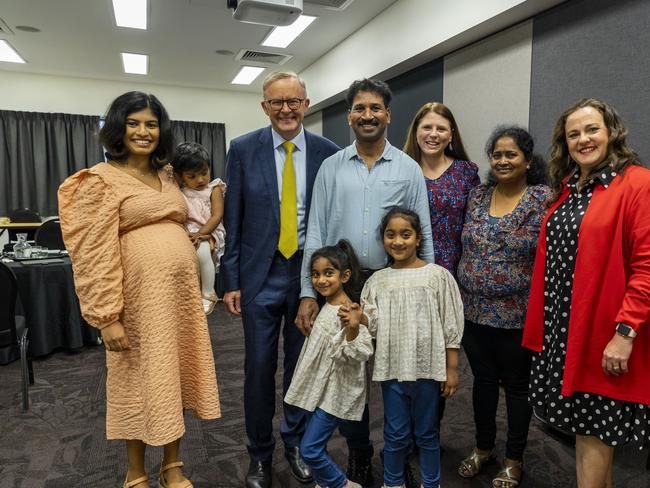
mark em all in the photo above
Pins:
pixel 135 482
pixel 472 464
pixel 507 475
pixel 162 482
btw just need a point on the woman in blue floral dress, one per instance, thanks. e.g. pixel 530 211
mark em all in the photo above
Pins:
pixel 502 224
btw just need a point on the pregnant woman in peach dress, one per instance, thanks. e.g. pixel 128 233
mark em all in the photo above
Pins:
pixel 136 278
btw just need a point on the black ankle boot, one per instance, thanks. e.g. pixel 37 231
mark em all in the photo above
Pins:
pixel 360 466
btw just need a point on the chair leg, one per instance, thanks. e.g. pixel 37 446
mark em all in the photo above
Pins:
pixel 24 370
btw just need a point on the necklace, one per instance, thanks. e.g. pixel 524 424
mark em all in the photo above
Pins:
pixel 516 200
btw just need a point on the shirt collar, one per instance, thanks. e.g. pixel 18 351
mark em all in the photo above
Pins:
pixel 386 155
pixel 604 176
pixel 299 140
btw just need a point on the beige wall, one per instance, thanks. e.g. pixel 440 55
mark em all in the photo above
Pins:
pixel 240 112
pixel 488 83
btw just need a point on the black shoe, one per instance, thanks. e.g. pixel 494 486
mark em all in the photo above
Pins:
pixel 299 469
pixel 360 466
pixel 259 474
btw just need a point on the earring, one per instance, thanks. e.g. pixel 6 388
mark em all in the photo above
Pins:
pixel 451 148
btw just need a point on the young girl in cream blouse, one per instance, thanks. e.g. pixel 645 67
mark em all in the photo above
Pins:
pixel 330 377
pixel 415 311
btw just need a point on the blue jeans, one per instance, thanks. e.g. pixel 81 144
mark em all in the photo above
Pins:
pixel 406 404
pixel 313 449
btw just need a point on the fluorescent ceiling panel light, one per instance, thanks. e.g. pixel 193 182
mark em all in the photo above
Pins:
pixel 283 36
pixel 247 75
pixel 130 13
pixel 137 64
pixel 8 54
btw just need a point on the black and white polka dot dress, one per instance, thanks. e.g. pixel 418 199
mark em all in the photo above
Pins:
pixel 615 422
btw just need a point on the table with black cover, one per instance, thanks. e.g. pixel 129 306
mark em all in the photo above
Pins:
pixel 50 306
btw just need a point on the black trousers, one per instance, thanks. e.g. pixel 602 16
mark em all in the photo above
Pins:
pixel 498 359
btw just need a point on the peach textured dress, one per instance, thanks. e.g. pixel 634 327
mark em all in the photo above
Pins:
pixel 133 261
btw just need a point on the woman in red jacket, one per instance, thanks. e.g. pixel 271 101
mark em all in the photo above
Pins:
pixel 590 296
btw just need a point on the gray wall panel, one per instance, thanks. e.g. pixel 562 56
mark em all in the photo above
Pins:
pixel 487 84
pixel 593 48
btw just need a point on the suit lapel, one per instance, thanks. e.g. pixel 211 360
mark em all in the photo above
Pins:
pixel 266 157
pixel 313 163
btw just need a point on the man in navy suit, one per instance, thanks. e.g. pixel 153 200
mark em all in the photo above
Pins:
pixel 261 273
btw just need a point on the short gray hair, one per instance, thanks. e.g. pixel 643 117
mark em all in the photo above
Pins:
pixel 281 75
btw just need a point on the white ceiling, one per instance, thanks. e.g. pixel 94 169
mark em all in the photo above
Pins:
pixel 79 38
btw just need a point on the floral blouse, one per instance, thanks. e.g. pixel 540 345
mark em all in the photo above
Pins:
pixel 447 199
pixel 496 266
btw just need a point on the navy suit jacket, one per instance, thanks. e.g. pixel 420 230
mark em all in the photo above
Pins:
pixel 252 207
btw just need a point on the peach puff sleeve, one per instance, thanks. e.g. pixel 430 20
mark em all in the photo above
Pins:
pixel 89 213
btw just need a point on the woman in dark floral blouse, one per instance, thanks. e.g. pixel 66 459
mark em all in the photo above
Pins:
pixel 499 239
pixel 434 141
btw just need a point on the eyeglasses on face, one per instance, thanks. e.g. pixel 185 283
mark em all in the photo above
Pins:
pixel 278 103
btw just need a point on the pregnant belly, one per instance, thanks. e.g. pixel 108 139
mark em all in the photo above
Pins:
pixel 163 249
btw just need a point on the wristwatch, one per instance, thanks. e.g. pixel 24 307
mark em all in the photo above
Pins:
pixel 625 331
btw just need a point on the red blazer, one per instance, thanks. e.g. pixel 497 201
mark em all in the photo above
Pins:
pixel 611 284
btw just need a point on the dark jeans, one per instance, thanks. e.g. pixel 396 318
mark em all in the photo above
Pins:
pixel 497 358
pixel 313 449
pixel 411 410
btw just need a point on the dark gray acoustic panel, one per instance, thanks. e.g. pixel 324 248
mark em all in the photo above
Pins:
pixel 410 91
pixel 335 124
pixel 595 48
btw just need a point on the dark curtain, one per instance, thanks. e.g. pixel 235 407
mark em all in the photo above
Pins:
pixel 40 150
pixel 212 136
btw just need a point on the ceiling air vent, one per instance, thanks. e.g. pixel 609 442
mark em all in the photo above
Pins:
pixel 262 57
pixel 331 4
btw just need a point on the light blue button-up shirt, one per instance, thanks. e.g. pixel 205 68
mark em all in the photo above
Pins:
pixel 349 201
pixel 300 168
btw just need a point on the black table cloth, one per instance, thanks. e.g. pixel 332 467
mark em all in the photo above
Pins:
pixel 51 307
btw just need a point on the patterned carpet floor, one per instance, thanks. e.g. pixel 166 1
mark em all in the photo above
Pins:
pixel 60 442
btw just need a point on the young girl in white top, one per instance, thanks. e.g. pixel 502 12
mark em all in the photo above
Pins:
pixel 330 377
pixel 205 211
pixel 414 310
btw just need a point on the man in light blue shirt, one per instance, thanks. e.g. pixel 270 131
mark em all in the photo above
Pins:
pixel 353 190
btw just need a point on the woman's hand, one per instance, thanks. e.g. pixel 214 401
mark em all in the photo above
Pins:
pixel 115 338
pixel 449 387
pixel 616 354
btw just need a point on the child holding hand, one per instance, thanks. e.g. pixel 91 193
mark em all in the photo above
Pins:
pixel 330 377
pixel 414 310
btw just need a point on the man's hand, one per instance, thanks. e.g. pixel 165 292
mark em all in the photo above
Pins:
pixel 114 337
pixel 307 312
pixel 232 299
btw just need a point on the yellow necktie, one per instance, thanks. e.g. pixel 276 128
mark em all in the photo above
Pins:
pixel 288 243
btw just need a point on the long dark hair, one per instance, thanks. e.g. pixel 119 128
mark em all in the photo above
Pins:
pixel 407 214
pixel 111 134
pixel 537 174
pixel 342 257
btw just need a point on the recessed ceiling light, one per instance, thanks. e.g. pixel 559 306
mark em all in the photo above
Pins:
pixel 283 36
pixel 137 64
pixel 9 54
pixel 130 13
pixel 27 28
pixel 247 75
